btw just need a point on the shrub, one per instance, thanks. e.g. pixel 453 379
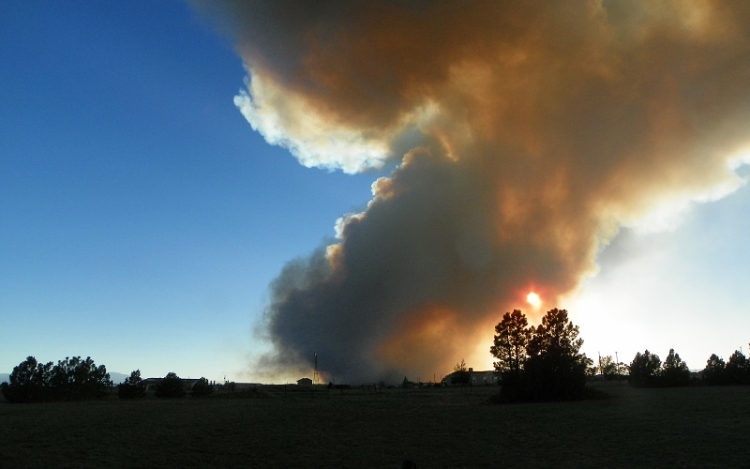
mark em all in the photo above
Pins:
pixel 171 386
pixel 133 387
pixel 202 388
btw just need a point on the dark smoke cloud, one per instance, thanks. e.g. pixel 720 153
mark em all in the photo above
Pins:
pixel 527 134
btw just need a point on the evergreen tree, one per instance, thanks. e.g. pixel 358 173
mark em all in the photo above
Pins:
pixel 556 369
pixel 645 369
pixel 542 363
pixel 737 370
pixel 71 379
pixel 75 378
pixel 675 372
pixel 29 382
pixel 511 340
pixel 714 372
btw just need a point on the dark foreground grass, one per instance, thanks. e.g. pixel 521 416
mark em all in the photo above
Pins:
pixel 440 428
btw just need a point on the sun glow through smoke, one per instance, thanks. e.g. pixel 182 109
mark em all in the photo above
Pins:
pixel 534 300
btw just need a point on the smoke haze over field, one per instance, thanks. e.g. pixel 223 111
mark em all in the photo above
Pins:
pixel 524 135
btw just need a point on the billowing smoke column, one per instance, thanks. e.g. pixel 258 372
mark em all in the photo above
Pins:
pixel 525 135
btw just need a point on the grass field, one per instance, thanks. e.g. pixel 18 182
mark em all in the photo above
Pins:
pixel 437 428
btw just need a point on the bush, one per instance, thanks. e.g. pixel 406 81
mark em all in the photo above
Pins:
pixel 171 386
pixel 202 388
pixel 133 387
pixel 554 377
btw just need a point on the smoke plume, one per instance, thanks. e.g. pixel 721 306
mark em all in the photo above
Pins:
pixel 523 134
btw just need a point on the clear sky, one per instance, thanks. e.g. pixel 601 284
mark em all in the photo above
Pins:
pixel 142 219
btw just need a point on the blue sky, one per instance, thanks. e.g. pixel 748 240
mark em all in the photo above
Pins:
pixel 142 220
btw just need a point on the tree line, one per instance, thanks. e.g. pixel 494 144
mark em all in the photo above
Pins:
pixel 647 370
pixel 545 363
pixel 79 379
pixel 534 364
pixel 71 379
pixel 736 370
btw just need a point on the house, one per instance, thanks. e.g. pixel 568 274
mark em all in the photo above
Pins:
pixel 484 378
pixel 471 377
pixel 304 382
pixel 152 383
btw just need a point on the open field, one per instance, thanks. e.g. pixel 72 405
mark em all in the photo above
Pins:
pixel 437 428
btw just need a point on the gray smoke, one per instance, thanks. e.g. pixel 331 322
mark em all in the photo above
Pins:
pixel 526 134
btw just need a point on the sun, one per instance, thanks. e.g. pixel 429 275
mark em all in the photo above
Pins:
pixel 534 300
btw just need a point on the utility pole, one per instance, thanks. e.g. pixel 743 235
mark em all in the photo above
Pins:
pixel 315 370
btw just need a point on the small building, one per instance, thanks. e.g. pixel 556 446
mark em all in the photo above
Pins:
pixel 474 378
pixel 152 383
pixel 304 382
pixel 484 377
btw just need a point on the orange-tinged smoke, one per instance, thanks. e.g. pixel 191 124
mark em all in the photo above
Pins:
pixel 419 335
pixel 526 134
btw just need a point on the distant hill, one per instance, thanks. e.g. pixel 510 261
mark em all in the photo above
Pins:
pixel 118 378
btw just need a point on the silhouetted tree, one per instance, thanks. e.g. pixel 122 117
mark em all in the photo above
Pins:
pixel 550 368
pixel 171 386
pixel 645 369
pixel 555 368
pixel 674 372
pixel 72 378
pixel 29 382
pixel 133 386
pixel 737 370
pixel 202 388
pixel 607 367
pixel 511 340
pixel 714 372
pixel 75 378
pixel 460 373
